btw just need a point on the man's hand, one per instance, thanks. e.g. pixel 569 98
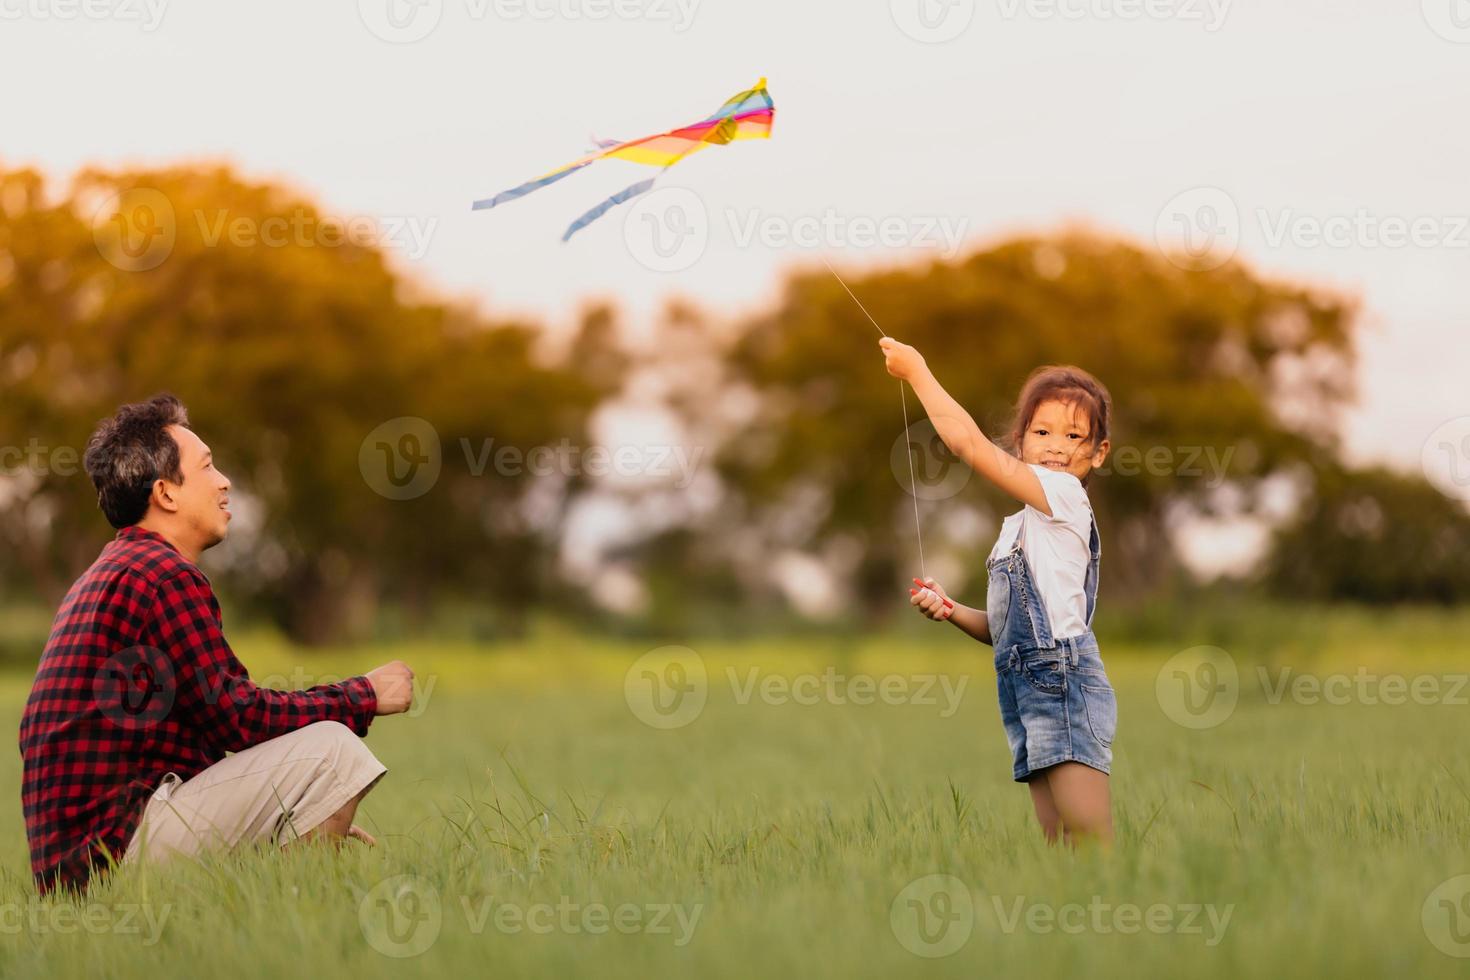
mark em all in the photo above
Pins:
pixel 393 684
pixel 902 361
pixel 930 599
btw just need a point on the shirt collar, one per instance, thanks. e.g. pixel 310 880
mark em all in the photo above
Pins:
pixel 136 533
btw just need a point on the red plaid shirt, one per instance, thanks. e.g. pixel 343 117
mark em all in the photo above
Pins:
pixel 137 681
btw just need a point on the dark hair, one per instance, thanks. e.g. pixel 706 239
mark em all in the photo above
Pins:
pixel 1071 386
pixel 129 452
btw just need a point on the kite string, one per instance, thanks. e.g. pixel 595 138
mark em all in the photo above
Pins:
pixel 904 401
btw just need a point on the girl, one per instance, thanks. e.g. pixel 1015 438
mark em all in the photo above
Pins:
pixel 1055 699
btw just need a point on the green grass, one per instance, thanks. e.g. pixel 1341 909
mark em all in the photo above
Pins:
pixel 527 783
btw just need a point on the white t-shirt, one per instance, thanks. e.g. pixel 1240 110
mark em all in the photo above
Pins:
pixel 1056 548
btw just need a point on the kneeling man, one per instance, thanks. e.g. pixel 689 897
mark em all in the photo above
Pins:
pixel 138 698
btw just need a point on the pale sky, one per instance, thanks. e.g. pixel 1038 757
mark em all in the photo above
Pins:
pixel 956 123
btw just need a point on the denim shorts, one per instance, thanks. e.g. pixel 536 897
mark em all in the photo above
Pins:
pixel 1057 705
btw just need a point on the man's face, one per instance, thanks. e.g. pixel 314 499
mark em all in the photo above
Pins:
pixel 203 499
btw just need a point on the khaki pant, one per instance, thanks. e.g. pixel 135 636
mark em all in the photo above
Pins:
pixel 270 793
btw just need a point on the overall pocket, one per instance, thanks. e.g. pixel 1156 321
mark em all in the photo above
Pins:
pixel 997 602
pixel 1045 675
pixel 1101 705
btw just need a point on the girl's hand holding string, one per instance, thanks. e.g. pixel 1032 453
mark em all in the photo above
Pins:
pixel 930 599
pixel 901 360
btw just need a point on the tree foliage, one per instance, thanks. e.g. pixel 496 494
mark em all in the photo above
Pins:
pixel 293 342
pixel 288 354
pixel 1373 536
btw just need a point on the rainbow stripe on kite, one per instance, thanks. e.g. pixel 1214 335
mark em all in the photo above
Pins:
pixel 746 116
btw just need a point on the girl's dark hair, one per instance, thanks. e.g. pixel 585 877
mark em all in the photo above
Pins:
pixel 130 451
pixel 1070 385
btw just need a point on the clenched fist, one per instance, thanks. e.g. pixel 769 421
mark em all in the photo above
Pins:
pixel 902 361
pixel 930 599
pixel 393 684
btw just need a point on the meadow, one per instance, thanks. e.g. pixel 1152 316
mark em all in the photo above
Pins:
pixel 830 806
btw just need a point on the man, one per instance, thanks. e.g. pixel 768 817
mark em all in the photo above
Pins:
pixel 138 698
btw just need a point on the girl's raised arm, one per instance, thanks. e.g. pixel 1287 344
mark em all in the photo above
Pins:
pixel 959 431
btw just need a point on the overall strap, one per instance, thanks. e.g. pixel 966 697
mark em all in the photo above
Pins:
pixel 1089 587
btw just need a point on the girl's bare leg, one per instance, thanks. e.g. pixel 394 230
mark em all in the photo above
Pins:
pixel 1046 808
pixel 1082 797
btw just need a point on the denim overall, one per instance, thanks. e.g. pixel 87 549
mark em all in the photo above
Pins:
pixel 1055 699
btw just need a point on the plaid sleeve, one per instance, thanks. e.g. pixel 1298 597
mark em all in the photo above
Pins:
pixel 213 690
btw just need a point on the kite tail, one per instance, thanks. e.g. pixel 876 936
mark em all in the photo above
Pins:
pixel 525 188
pixel 643 186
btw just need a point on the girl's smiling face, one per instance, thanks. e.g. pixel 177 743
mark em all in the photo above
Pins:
pixel 1058 438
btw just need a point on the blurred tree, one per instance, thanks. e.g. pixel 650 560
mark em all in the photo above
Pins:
pixel 305 359
pixel 291 340
pixel 1374 536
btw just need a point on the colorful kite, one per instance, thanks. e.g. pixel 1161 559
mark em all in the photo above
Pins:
pixel 746 116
